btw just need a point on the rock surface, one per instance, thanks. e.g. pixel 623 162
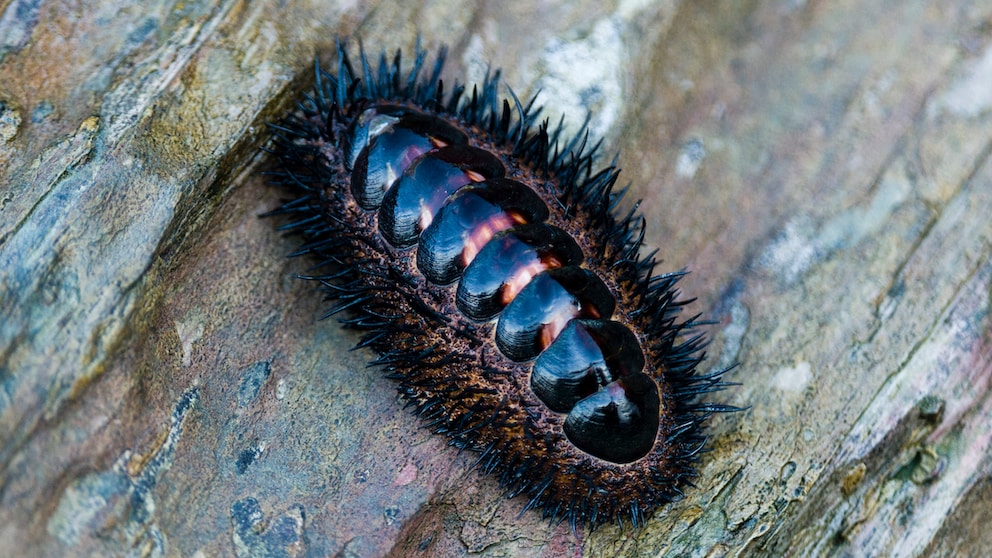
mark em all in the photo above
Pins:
pixel 822 168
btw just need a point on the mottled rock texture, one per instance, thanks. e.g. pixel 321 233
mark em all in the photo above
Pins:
pixel 822 168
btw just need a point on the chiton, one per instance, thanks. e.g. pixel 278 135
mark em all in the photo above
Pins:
pixel 484 258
